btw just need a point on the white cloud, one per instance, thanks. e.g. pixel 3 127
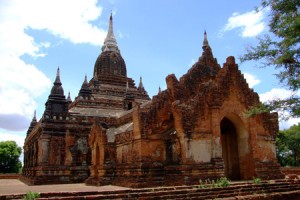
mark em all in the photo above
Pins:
pixel 251 80
pixel 287 124
pixel 22 82
pixel 120 34
pixel 279 93
pixel 68 19
pixel 18 137
pixel 275 93
pixel 250 23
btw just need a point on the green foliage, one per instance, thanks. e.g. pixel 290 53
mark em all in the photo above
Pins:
pixel 290 105
pixel 31 195
pixel 288 146
pixel 281 49
pixel 261 108
pixel 256 181
pixel 9 157
pixel 222 182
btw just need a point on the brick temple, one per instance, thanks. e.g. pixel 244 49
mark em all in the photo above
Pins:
pixel 113 133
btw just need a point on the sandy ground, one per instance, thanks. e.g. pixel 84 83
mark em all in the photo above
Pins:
pixel 14 186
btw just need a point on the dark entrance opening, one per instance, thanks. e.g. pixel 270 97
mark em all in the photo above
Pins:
pixel 230 152
pixel 129 106
pixel 169 151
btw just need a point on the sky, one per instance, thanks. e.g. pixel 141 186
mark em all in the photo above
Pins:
pixel 156 38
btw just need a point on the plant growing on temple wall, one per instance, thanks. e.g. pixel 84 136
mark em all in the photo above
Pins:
pixel 31 195
pixel 222 182
pixel 256 181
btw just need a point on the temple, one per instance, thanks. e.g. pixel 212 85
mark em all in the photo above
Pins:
pixel 113 133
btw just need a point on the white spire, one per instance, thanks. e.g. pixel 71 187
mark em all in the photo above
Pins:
pixel 110 43
pixel 57 72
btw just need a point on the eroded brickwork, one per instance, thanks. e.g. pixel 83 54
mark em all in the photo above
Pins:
pixel 112 133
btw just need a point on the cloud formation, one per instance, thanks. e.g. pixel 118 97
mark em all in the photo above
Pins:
pixel 280 93
pixel 274 93
pixel 17 137
pixel 251 80
pixel 250 24
pixel 21 82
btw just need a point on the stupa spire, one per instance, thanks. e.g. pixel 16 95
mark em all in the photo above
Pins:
pixel 85 80
pixel 205 41
pixel 69 100
pixel 85 90
pixel 34 116
pixel 32 124
pixel 57 79
pixel 57 89
pixel 110 43
pixel 207 52
pixel 141 86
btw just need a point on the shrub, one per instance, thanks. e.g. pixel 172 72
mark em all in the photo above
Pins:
pixel 256 181
pixel 31 195
pixel 222 182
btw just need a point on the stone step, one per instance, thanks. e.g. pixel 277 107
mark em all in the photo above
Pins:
pixel 189 192
pixel 241 189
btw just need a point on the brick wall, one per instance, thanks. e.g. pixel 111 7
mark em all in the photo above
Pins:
pixel 290 170
pixel 9 176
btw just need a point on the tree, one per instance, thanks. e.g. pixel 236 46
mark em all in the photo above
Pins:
pixel 9 157
pixel 288 146
pixel 280 49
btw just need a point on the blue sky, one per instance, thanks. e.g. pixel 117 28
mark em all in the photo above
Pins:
pixel 156 38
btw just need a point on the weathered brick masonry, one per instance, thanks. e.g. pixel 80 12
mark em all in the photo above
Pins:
pixel 113 133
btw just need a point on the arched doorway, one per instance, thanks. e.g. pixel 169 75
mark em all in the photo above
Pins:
pixel 230 150
pixel 172 147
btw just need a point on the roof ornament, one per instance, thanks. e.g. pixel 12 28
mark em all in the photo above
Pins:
pixel 85 90
pixel 34 116
pixel 57 79
pixel 32 124
pixel 85 79
pixel 141 86
pixel 205 41
pixel 110 43
pixel 85 83
pixel 207 52
pixel 57 89
pixel 69 100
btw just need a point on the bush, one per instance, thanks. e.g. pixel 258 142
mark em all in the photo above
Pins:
pixel 256 181
pixel 222 182
pixel 31 195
